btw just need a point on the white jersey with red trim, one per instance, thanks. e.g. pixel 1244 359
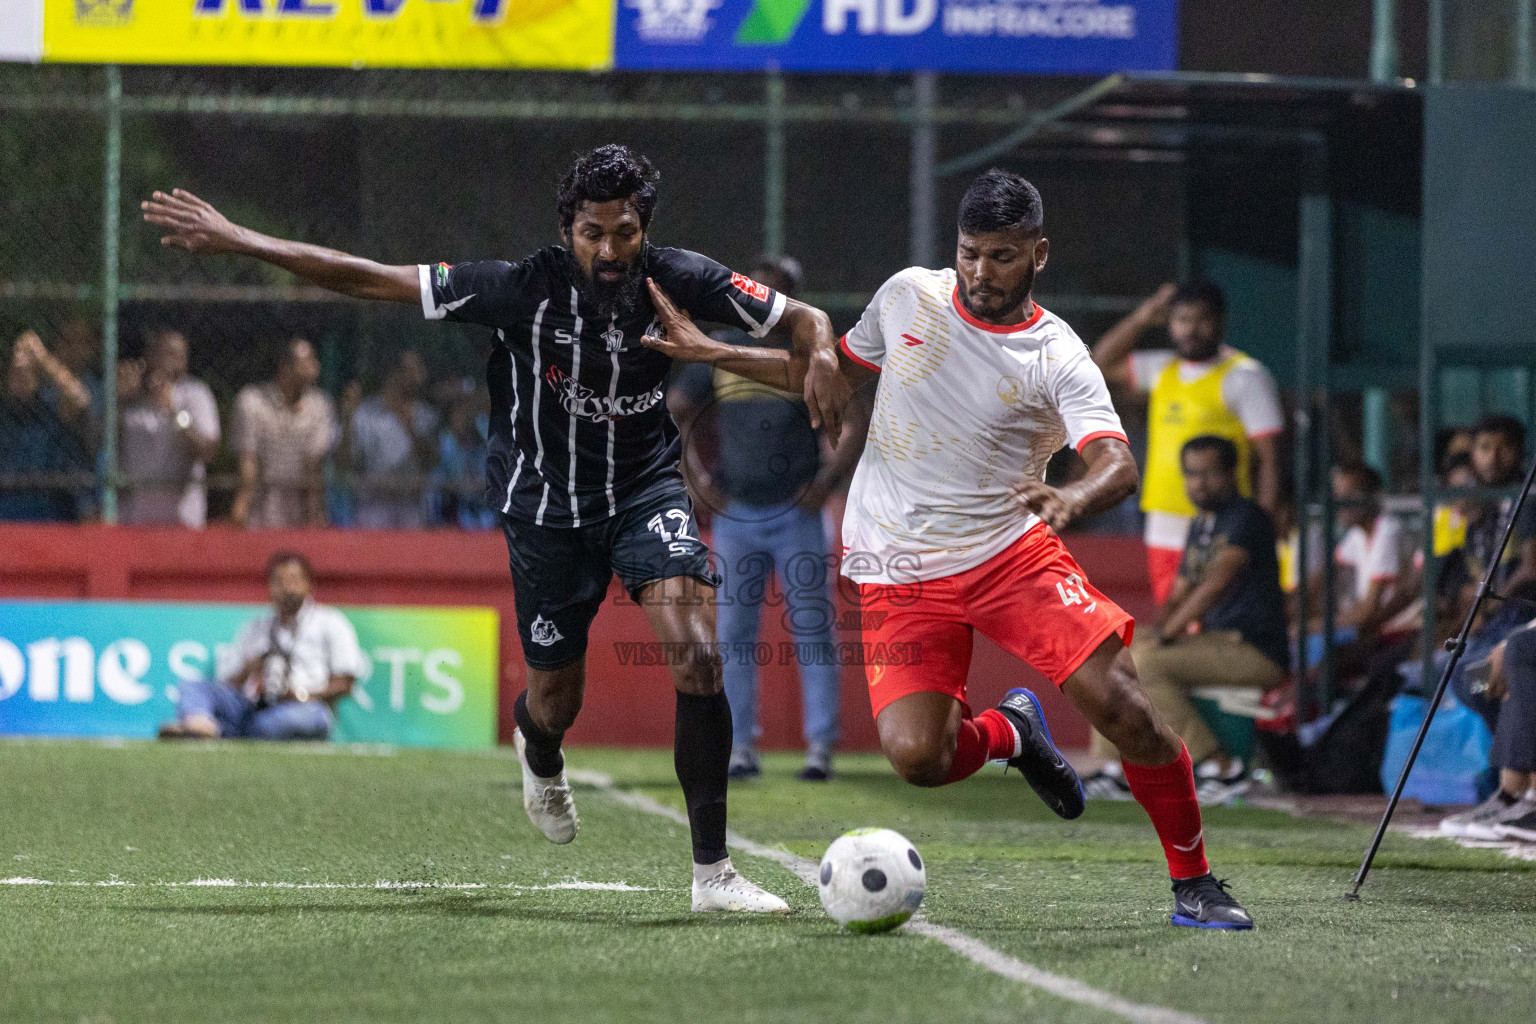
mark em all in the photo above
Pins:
pixel 964 411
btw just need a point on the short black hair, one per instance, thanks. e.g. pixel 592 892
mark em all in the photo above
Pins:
pixel 1208 292
pixel 607 173
pixel 282 558
pixel 1001 201
pixel 1363 474
pixel 1225 450
pixel 1498 423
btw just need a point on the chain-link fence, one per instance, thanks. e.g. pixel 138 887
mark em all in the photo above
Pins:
pixel 416 167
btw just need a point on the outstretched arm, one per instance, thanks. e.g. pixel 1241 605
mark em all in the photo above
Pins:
pixel 194 225
pixel 1111 477
pixel 682 340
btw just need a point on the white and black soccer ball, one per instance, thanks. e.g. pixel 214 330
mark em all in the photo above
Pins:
pixel 871 880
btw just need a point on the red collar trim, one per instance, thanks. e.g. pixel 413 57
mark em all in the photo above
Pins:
pixel 954 298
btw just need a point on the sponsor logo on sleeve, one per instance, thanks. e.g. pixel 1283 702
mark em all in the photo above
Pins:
pixel 747 286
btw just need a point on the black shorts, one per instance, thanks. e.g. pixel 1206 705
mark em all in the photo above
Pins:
pixel 560 575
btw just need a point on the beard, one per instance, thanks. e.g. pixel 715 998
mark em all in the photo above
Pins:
pixel 611 299
pixel 995 304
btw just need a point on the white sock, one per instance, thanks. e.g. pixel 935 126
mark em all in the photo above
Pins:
pixel 704 872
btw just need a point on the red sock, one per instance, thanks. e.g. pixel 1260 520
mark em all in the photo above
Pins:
pixel 1167 794
pixel 984 738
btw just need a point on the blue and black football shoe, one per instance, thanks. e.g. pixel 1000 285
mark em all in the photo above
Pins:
pixel 1204 902
pixel 1041 764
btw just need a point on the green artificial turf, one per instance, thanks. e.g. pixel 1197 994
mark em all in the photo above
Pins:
pixel 1443 934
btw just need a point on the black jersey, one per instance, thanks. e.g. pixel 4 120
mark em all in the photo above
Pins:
pixel 579 424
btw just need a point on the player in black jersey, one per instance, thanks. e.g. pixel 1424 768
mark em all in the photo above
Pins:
pixel 583 455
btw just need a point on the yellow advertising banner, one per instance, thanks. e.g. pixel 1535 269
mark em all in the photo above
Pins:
pixel 556 34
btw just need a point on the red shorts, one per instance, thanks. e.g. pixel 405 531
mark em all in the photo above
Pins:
pixel 1032 600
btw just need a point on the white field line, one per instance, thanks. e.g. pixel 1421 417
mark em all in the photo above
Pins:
pixel 973 949
pixel 231 883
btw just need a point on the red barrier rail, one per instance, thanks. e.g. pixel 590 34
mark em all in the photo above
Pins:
pixel 627 703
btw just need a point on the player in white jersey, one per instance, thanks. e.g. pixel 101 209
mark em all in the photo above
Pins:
pixel 951 528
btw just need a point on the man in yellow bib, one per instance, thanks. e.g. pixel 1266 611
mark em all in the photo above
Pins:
pixel 1200 388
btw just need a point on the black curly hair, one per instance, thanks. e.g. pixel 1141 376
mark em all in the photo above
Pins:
pixel 607 173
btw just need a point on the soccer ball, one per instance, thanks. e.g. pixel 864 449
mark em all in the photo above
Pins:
pixel 871 880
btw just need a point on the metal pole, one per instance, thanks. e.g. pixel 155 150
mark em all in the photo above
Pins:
pixel 921 184
pixel 1429 425
pixel 1314 264
pixel 1435 58
pixel 1523 72
pixel 1303 496
pixel 112 184
pixel 1383 40
pixel 1375 414
pixel 1457 647
pixel 773 165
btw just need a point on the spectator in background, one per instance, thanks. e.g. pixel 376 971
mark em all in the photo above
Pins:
pixel 1498 455
pixel 390 442
pixel 1223 624
pixel 1201 387
pixel 1370 559
pixel 463 443
pixel 285 672
pixel 1506 686
pixel 170 431
pixel 775 475
pixel 79 349
pixel 39 439
pixel 283 430
pixel 1498 460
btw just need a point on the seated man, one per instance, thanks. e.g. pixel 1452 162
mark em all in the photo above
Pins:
pixel 1223 624
pixel 1504 684
pixel 1370 559
pixel 289 668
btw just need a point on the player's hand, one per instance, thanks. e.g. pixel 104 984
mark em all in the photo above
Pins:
pixel 1498 683
pixel 680 337
pixel 30 350
pixel 1053 505
pixel 826 393
pixel 190 223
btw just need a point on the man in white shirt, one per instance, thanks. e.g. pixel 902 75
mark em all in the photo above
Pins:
pixel 284 673
pixel 170 431
pixel 950 529
pixel 283 430
pixel 1368 561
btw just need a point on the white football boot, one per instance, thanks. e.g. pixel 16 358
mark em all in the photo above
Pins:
pixel 547 801
pixel 717 886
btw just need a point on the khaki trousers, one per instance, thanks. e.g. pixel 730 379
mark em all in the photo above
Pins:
pixel 1169 672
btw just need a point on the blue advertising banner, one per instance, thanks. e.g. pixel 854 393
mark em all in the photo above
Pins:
pixel 112 668
pixel 1063 36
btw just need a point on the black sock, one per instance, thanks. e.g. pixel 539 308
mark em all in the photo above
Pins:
pixel 701 752
pixel 540 747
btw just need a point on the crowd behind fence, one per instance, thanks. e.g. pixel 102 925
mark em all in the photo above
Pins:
pixel 421 166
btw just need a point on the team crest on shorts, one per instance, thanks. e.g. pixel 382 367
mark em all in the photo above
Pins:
pixel 543 632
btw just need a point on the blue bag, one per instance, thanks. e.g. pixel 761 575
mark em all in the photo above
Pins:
pixel 1453 765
